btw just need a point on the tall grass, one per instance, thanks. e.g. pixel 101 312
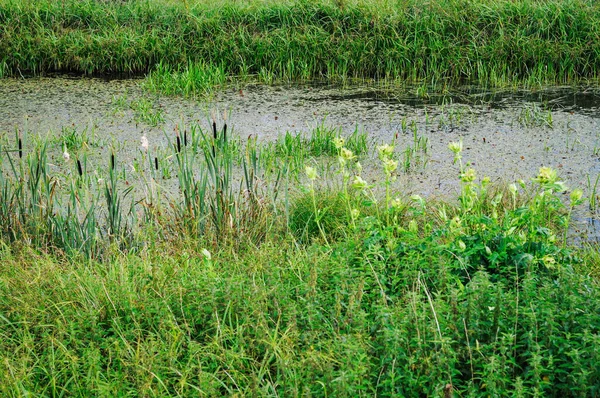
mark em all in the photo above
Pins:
pixel 333 288
pixel 190 48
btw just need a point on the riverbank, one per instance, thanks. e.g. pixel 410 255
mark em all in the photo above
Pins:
pixel 188 48
pixel 352 289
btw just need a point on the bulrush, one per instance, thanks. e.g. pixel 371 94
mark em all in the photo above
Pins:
pixel 20 146
pixel 177 139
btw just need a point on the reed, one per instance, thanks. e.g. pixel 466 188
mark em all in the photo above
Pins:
pixel 192 49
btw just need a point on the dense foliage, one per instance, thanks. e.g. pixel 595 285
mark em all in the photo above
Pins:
pixel 438 42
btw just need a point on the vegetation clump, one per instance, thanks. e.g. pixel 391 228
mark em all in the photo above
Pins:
pixel 190 47
pixel 109 286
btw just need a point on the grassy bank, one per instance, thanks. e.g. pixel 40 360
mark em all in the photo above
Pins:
pixel 189 47
pixel 335 288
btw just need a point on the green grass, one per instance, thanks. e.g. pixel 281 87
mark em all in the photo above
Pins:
pixel 191 47
pixel 333 287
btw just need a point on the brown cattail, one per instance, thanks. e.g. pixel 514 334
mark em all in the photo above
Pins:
pixel 156 163
pixel 184 137
pixel 79 169
pixel 178 144
pixel 112 160
pixel 20 147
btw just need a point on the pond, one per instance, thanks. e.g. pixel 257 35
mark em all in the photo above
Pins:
pixel 506 135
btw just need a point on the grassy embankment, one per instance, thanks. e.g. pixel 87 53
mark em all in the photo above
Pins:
pixel 189 47
pixel 110 286
pixel 352 290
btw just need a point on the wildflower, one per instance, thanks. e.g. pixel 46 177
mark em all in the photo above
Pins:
pixel 385 151
pixel 311 173
pixel 144 143
pixel 456 147
pixel 358 167
pixel 468 176
pixel 66 155
pixel 359 183
pixel 549 261
pixel 389 165
pixel 576 196
pixel 546 175
pixel 206 254
pixel 346 154
pixel 338 142
pixel 354 214
pixel 396 203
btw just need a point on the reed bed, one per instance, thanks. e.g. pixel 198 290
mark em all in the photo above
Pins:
pixel 250 282
pixel 188 48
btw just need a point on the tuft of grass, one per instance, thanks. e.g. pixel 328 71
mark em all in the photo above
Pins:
pixel 332 218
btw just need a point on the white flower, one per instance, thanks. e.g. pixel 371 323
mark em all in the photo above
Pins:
pixel 546 175
pixel 385 151
pixel 456 147
pixel 358 167
pixel 576 196
pixel 469 175
pixel 359 183
pixel 311 173
pixel 66 155
pixel 338 142
pixel 144 143
pixel 389 166
pixel 206 254
pixel 346 154
pixel 396 203
pixel 549 261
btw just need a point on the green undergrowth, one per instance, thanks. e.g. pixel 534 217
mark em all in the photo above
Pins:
pixel 190 47
pixel 242 283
